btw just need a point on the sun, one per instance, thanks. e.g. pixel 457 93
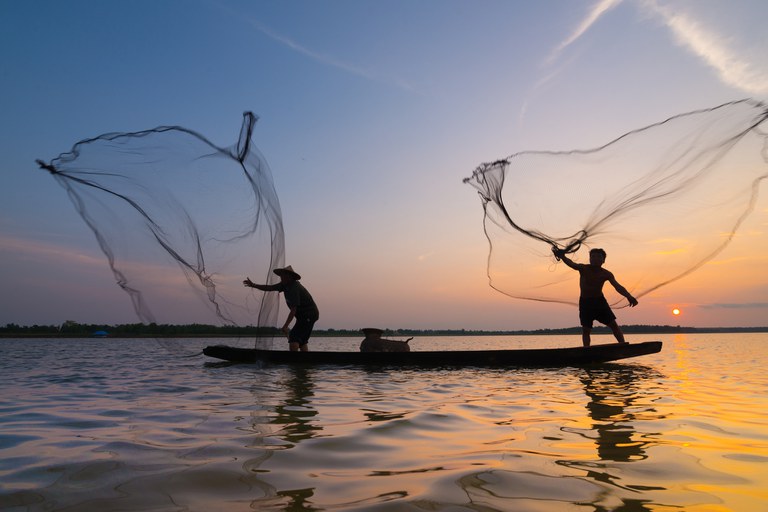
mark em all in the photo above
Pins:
pixel 676 311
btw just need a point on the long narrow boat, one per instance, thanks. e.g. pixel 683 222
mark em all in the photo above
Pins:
pixel 542 357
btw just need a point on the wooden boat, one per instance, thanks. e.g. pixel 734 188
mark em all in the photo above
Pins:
pixel 542 357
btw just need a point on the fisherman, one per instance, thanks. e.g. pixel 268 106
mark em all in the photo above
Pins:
pixel 592 303
pixel 301 307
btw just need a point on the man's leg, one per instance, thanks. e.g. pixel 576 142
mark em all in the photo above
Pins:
pixel 617 332
pixel 299 335
pixel 585 335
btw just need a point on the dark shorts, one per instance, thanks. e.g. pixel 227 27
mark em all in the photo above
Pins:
pixel 595 308
pixel 302 330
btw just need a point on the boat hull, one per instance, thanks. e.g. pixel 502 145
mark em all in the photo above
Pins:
pixel 543 357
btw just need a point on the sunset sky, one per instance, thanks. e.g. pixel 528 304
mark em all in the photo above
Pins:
pixel 371 114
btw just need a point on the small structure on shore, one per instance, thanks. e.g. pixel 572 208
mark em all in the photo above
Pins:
pixel 373 342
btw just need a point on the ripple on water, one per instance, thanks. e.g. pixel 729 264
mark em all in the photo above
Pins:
pixel 168 434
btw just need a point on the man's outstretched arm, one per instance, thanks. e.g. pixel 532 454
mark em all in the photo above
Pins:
pixel 560 255
pixel 623 291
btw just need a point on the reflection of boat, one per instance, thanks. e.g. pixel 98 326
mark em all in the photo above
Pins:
pixel 544 357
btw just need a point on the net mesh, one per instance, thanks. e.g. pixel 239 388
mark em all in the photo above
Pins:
pixel 181 221
pixel 662 200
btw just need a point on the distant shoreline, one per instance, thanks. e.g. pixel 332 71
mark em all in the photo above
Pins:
pixel 208 331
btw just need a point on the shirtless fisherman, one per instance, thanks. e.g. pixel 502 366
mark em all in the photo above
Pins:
pixel 592 303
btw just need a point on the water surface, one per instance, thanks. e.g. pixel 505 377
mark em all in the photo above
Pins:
pixel 112 425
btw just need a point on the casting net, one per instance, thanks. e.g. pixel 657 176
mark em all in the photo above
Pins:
pixel 181 221
pixel 662 200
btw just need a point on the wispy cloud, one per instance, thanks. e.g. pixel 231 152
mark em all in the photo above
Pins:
pixel 36 249
pixel 70 259
pixel 715 49
pixel 594 14
pixel 740 305
pixel 318 57
pixel 425 256
pixel 712 48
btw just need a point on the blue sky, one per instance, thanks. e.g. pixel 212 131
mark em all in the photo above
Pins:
pixel 371 113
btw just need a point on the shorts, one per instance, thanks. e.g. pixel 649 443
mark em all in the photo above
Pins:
pixel 302 330
pixel 595 308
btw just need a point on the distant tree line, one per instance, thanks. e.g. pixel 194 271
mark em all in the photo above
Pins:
pixel 632 329
pixel 72 329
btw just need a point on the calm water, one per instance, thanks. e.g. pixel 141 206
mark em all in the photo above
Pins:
pixel 124 425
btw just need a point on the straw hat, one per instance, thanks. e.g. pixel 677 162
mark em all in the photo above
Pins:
pixel 287 270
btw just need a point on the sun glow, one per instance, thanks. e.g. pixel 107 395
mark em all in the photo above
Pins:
pixel 676 311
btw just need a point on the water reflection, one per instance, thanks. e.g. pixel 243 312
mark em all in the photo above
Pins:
pixel 298 500
pixel 619 399
pixel 290 409
pixel 614 404
pixel 296 414
pixel 620 396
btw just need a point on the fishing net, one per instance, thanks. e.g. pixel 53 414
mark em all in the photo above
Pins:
pixel 661 200
pixel 181 221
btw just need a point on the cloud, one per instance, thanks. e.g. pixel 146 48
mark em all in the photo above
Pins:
pixel 55 253
pixel 715 49
pixel 68 259
pixel 425 256
pixel 594 14
pixel 712 48
pixel 739 305
pixel 320 58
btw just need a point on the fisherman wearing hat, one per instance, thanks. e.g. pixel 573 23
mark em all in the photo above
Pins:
pixel 300 303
